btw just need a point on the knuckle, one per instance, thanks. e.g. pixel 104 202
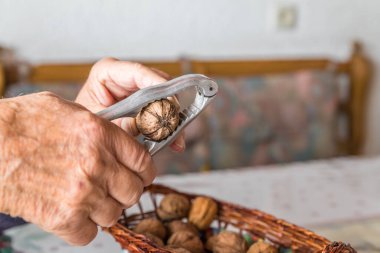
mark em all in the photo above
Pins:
pixel 83 235
pixel 65 222
pixel 95 163
pixel 102 62
pixel 79 191
pixel 92 163
pixel 144 161
pixel 100 69
pixel 91 124
pixel 108 59
pixel 90 118
pixel 93 144
pixel 134 196
pixel 138 67
pixel 84 238
pixel 48 94
pixel 113 219
pixel 54 225
pixel 50 97
pixel 144 166
pixel 73 225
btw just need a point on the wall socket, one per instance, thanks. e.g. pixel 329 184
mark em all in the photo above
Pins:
pixel 286 16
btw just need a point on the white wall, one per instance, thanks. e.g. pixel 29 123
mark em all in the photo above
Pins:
pixel 77 30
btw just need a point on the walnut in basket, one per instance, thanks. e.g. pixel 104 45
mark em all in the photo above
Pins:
pixel 186 240
pixel 262 247
pixel 176 249
pixel 173 206
pixel 227 242
pixel 177 225
pixel 294 239
pixel 157 240
pixel 158 120
pixel 202 213
pixel 152 226
pixel 339 247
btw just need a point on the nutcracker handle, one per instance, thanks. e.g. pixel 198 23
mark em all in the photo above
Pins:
pixel 205 89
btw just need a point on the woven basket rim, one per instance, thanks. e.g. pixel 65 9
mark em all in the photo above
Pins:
pixel 277 231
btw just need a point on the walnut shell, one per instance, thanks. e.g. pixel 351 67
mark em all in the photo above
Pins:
pixel 227 242
pixel 178 225
pixel 158 120
pixel 187 240
pixel 173 206
pixel 176 249
pixel 262 247
pixel 157 240
pixel 210 242
pixel 202 213
pixel 152 226
pixel 339 247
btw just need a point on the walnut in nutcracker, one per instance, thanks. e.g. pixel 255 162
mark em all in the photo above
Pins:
pixel 151 226
pixel 261 247
pixel 203 211
pixel 227 242
pixel 158 120
pixel 173 206
pixel 186 240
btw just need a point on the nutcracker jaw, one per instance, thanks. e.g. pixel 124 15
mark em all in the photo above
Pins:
pixel 205 89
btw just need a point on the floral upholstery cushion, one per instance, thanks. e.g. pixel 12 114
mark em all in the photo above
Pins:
pixel 258 120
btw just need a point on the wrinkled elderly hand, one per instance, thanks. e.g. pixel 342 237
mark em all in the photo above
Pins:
pixel 65 169
pixel 111 80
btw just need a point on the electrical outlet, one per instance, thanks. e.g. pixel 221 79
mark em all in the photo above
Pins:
pixel 286 17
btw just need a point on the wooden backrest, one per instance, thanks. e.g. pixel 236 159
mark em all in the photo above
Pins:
pixel 360 71
pixel 78 72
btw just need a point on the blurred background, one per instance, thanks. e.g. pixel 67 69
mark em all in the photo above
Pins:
pixel 299 81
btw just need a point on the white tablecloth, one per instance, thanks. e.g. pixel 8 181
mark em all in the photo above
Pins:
pixel 303 193
pixel 306 193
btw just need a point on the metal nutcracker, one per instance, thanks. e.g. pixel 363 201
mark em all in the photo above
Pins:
pixel 205 89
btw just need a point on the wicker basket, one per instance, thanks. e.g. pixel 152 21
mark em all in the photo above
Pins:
pixel 258 224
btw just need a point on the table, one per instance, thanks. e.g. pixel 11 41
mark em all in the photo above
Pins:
pixel 338 198
pixel 364 235
pixel 304 193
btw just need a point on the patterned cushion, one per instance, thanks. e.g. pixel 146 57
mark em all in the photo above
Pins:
pixel 261 120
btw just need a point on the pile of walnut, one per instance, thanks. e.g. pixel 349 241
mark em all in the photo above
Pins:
pixel 171 232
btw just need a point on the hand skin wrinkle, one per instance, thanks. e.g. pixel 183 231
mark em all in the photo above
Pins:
pixel 65 169
pixel 11 166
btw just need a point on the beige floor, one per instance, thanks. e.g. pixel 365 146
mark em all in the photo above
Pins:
pixel 363 235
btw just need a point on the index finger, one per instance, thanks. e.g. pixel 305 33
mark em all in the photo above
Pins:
pixel 132 155
pixel 122 78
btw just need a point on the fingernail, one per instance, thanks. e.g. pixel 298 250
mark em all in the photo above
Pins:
pixel 180 144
